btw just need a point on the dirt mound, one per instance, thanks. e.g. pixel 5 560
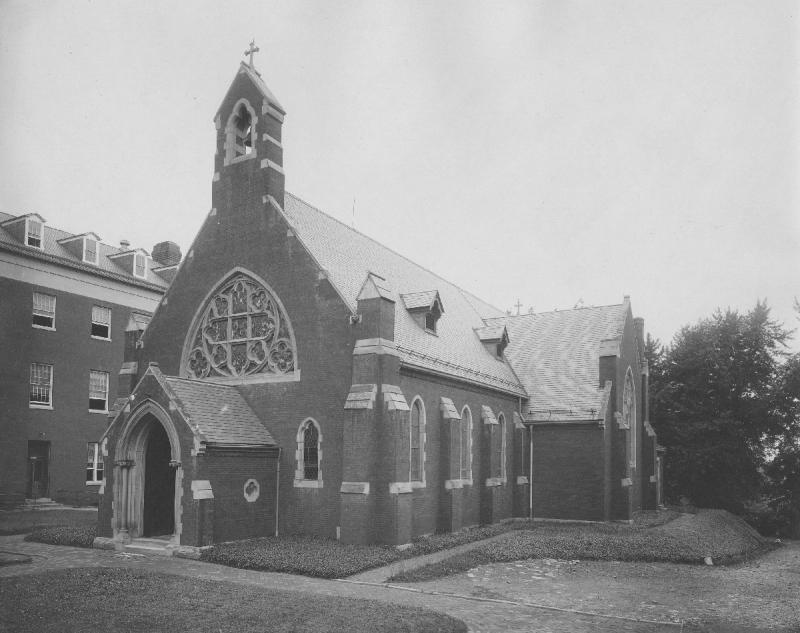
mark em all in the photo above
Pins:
pixel 717 534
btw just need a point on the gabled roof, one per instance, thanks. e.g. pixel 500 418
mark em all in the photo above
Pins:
pixel 218 414
pixel 255 77
pixel 424 300
pixel 557 358
pixel 347 256
pixel 53 251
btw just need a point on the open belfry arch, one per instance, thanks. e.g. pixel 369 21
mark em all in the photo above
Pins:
pixel 420 408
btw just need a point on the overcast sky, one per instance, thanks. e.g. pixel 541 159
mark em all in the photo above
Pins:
pixel 547 152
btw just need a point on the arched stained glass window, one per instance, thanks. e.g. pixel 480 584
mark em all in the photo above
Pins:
pixel 242 331
pixel 311 451
pixel 417 429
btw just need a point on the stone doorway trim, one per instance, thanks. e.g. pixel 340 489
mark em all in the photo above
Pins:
pixel 129 467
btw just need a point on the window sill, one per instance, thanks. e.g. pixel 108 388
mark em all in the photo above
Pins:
pixel 417 484
pixel 105 412
pixel 40 406
pixel 522 480
pixel 241 159
pixel 308 483
pixel 94 483
pixel 494 482
pixel 43 327
pixel 100 338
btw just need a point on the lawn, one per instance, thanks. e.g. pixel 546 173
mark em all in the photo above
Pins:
pixel 110 599
pixel 26 521
pixel 687 538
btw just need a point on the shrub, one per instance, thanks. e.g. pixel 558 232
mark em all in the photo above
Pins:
pixel 64 535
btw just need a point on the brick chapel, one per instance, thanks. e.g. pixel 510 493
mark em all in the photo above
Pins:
pixel 300 378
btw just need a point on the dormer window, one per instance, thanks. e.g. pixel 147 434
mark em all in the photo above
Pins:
pixel 425 308
pixel 33 233
pixel 140 266
pixel 90 250
pixel 494 339
pixel 240 134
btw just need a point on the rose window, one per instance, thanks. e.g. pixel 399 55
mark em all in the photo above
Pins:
pixel 242 332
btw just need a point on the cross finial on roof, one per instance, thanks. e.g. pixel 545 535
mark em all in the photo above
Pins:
pixel 518 306
pixel 252 51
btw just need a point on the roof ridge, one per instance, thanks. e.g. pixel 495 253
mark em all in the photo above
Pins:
pixel 533 314
pixel 390 249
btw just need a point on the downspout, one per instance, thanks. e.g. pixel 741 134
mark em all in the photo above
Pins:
pixel 277 488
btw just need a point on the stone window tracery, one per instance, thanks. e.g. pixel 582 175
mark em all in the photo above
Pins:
pixel 242 331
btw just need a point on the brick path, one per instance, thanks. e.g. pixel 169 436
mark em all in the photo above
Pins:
pixel 480 614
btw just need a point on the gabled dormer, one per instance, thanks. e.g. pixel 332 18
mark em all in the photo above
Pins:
pixel 134 262
pixel 85 247
pixel 494 339
pixel 425 307
pixel 27 229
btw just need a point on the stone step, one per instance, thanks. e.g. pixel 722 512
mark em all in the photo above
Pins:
pixel 149 546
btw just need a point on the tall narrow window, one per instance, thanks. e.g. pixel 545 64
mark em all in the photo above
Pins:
pixel 309 455
pixel 101 322
pixel 89 250
pixel 139 266
pixel 44 311
pixel 41 385
pixel 242 132
pixel 466 444
pixel 499 447
pixel 629 414
pixel 417 428
pixel 310 452
pixel 94 464
pixel 33 233
pixel 98 391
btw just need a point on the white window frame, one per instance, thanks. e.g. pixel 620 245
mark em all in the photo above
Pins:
pixel 29 234
pixel 41 405
pixel 93 463
pixel 103 373
pixel 501 423
pixel 44 311
pixel 96 321
pixel 232 135
pixel 300 480
pixel 417 483
pixel 86 241
pixel 136 257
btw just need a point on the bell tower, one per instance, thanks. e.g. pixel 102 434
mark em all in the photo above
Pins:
pixel 248 164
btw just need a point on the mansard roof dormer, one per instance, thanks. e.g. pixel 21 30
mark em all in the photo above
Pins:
pixel 28 229
pixel 494 338
pixel 85 247
pixel 425 307
pixel 134 262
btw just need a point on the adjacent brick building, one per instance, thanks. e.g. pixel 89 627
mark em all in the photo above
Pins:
pixel 67 304
pixel 299 377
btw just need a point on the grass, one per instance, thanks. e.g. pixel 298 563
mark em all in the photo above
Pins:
pixel 688 538
pixel 64 535
pixel 110 599
pixel 26 521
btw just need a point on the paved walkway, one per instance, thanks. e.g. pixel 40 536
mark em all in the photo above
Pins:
pixel 481 614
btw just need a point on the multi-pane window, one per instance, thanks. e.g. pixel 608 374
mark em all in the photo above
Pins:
pixel 90 250
pixel 44 310
pixel 310 452
pixel 499 447
pixel 34 232
pixel 417 427
pixel 465 457
pixel 94 463
pixel 98 391
pixel 139 265
pixel 101 322
pixel 41 385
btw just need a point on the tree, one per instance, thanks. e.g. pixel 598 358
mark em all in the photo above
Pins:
pixel 716 395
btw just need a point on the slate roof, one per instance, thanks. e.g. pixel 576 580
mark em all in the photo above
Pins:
pixel 219 414
pixel 348 256
pixel 556 356
pixel 54 252
pixel 259 83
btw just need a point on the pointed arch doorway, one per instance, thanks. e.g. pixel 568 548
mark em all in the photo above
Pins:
pixel 148 477
pixel 159 485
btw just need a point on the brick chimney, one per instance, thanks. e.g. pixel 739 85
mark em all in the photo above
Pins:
pixel 166 253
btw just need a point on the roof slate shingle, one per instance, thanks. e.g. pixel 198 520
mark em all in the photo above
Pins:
pixel 556 356
pixel 348 256
pixel 219 413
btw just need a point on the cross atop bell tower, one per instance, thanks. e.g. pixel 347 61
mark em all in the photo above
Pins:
pixel 252 51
